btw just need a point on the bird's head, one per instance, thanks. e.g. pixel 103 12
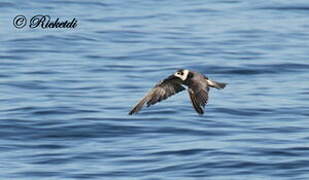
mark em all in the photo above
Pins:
pixel 182 74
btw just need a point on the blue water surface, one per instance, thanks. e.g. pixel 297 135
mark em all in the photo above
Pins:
pixel 65 93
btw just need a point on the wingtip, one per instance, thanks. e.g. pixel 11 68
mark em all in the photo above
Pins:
pixel 131 112
pixel 200 111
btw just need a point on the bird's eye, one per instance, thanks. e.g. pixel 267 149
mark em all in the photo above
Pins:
pixel 180 73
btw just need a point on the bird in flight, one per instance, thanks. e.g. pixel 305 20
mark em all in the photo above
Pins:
pixel 197 86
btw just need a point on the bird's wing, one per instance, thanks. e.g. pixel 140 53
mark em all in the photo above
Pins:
pixel 199 96
pixel 159 92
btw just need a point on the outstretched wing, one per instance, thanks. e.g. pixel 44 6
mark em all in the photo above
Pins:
pixel 198 93
pixel 199 100
pixel 159 92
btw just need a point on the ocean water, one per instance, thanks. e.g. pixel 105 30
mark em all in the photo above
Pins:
pixel 65 93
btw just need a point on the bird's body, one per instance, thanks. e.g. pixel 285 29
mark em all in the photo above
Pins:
pixel 197 85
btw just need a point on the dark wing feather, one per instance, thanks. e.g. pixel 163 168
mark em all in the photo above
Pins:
pixel 195 104
pixel 159 92
pixel 199 97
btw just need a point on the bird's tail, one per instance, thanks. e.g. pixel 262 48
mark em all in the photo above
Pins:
pixel 215 84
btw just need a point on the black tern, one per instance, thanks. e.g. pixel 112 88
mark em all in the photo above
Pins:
pixel 197 85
